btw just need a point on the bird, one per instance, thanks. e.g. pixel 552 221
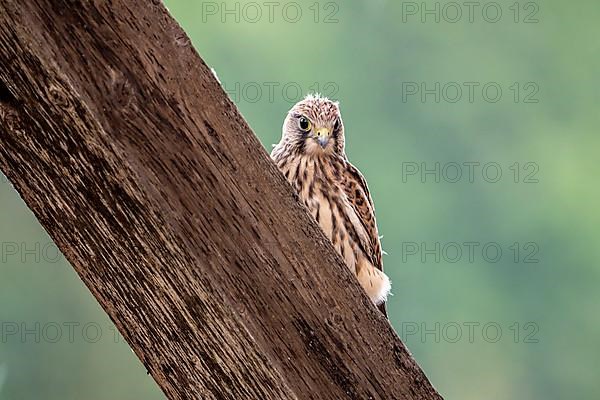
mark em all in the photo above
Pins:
pixel 311 154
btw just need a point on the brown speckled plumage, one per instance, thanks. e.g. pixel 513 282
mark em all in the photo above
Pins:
pixel 334 191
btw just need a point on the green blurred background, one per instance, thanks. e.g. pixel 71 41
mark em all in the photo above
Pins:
pixel 522 325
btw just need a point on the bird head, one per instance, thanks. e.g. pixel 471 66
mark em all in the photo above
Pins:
pixel 314 127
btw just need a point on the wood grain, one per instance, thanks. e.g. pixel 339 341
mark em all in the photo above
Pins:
pixel 130 154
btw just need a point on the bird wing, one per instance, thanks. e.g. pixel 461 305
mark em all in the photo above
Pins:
pixel 357 192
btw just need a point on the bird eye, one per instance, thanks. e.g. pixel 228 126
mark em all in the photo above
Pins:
pixel 304 124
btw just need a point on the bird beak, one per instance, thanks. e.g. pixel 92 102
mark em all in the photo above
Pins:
pixel 323 136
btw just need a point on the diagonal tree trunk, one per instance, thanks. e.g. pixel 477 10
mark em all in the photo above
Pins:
pixel 132 157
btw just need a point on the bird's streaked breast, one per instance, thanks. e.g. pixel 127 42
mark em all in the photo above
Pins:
pixel 315 181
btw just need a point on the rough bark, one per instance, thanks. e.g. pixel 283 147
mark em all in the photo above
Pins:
pixel 130 154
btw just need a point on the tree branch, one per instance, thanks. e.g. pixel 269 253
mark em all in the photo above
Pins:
pixel 130 154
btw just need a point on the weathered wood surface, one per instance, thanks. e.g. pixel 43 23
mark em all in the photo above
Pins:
pixel 123 144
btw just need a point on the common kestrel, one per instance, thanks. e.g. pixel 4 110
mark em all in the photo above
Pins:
pixel 312 157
